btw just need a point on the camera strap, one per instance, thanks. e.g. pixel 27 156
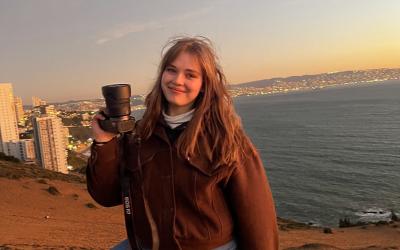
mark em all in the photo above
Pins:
pixel 126 197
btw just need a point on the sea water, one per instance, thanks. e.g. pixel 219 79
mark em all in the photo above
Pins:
pixel 329 153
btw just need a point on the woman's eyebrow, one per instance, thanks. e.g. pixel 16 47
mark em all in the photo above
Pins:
pixel 187 70
pixel 192 71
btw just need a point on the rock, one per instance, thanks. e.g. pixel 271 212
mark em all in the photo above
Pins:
pixel 345 222
pixel 393 216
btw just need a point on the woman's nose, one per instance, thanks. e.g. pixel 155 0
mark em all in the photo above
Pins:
pixel 179 79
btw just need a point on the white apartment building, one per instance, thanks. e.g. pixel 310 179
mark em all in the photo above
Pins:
pixel 19 109
pixel 36 101
pixel 23 149
pixel 48 110
pixel 8 120
pixel 50 143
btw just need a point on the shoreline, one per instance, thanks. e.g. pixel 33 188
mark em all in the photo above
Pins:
pixel 328 87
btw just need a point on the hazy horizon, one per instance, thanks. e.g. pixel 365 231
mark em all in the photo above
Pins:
pixel 141 94
pixel 67 50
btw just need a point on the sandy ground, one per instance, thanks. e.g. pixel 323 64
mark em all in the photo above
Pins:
pixel 32 218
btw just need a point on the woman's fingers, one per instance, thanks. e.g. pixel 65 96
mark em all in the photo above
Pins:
pixel 98 133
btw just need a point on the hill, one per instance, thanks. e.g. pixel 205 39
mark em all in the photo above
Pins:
pixel 41 209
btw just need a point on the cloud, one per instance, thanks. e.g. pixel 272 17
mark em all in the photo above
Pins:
pixel 190 15
pixel 123 30
pixel 126 29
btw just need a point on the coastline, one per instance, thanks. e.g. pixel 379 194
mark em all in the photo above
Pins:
pixel 333 86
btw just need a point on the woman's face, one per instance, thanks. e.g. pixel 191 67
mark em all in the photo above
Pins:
pixel 181 83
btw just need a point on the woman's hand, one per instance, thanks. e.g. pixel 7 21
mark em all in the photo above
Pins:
pixel 99 134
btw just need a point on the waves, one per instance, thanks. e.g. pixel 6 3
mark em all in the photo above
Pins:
pixel 331 153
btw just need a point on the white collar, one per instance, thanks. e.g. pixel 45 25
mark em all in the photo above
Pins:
pixel 175 121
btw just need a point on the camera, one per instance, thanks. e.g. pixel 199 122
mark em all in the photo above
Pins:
pixel 118 109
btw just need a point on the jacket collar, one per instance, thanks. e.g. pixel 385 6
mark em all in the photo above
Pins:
pixel 200 159
pixel 160 132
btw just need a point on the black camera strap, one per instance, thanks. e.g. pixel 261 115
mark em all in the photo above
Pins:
pixel 126 196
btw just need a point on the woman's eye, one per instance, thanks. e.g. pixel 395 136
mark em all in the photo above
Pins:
pixel 191 76
pixel 171 70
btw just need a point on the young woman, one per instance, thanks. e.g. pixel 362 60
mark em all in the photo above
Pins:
pixel 202 180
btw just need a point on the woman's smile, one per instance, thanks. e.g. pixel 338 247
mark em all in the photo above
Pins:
pixel 176 90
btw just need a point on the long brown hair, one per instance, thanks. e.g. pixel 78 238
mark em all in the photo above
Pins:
pixel 214 117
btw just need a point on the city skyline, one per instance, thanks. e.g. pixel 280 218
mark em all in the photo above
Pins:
pixel 40 136
pixel 57 57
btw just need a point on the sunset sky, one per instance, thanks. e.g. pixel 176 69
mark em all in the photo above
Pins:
pixel 64 50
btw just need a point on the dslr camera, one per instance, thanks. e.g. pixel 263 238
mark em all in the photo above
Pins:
pixel 118 109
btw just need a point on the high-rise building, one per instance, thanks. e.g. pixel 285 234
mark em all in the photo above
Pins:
pixel 19 109
pixel 36 101
pixel 50 143
pixel 8 120
pixel 48 110
pixel 23 149
pixel 66 135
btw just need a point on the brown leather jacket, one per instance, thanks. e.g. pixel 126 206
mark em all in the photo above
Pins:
pixel 194 204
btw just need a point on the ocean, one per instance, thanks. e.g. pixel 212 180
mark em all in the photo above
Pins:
pixel 329 153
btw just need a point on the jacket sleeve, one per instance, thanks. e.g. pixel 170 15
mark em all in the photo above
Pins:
pixel 102 174
pixel 252 205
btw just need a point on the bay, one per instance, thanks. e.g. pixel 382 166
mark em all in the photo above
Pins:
pixel 329 153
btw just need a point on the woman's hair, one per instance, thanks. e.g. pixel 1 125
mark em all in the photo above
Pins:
pixel 214 117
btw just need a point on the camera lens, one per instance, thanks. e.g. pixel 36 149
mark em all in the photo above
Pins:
pixel 117 97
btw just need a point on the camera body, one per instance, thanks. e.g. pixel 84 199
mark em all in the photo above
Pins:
pixel 118 109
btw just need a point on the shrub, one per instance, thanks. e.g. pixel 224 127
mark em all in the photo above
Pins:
pixel 90 205
pixel 42 181
pixel 53 190
pixel 327 230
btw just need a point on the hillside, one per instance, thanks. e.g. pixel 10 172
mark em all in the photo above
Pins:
pixel 45 210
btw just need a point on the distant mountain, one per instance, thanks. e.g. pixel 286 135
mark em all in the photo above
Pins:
pixel 342 76
pixel 134 98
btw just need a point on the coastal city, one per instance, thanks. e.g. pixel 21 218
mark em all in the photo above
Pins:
pixel 56 136
pixel 311 82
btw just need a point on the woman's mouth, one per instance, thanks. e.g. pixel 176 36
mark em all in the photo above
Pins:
pixel 175 90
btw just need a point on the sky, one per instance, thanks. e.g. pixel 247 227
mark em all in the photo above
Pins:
pixel 62 50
